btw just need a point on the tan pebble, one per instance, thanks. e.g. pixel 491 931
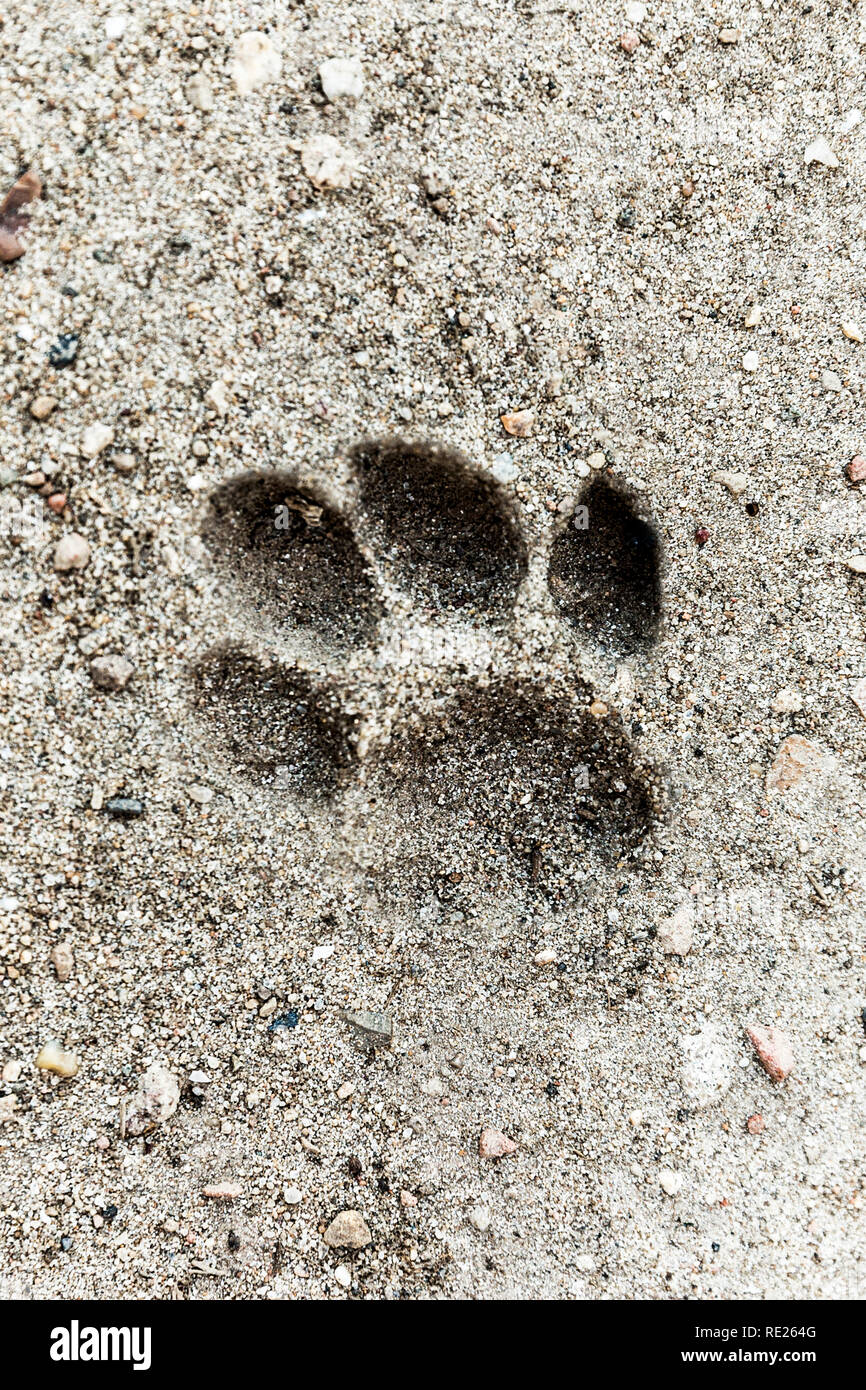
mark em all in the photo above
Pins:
pixel 518 422
pixel 753 317
pixel 348 1231
pixel 111 672
pixel 598 709
pixel 773 1050
pixel 546 957
pixel 53 1057
pixel 796 758
pixel 755 1124
pixel 852 332
pixel 223 1192
pixel 492 1143
pixel 12 1071
pixel 7 1106
pixel 63 960
pixel 729 36
pixel 736 483
pixel 123 463
pixel 408 1199
pixel 57 502
pixel 43 406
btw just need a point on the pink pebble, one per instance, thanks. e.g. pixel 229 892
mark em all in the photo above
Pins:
pixel 629 41
pixel 494 1144
pixel 773 1050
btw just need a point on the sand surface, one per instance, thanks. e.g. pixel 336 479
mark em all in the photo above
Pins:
pixel 431 748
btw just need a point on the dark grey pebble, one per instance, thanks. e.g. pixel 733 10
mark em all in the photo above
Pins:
pixel 64 352
pixel 124 807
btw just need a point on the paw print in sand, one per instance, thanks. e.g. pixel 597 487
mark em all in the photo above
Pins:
pixel 412 649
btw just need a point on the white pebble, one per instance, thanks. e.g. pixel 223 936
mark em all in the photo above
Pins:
pixel 255 62
pixel 95 439
pixel 819 152
pixel 341 77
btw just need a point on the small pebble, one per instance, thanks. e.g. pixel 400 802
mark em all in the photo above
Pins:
pixel 124 807
pixel 71 552
pixel 857 563
pixel 63 960
pixel 255 62
pixel 492 1143
pixel 64 352
pixel 348 1231
pixel 787 702
pixel 852 332
pixel 857 469
pixel 7 1107
pixel 54 1057
pixel 546 957
pixel 755 1124
pixel 773 1050
pixel 57 503
pixel 154 1102
pixel 831 381
pixel 199 794
pixel 729 36
pixel 292 1196
pixel 123 463
pixel 676 933
pixel 518 422
pixel 629 41
pixel 43 406
pixel 95 439
pixel 858 695
pixel 480 1217
pixel 751 361
pixel 111 672
pixel 343 1277
pixel 341 77
pixel 375 1028
pixel 326 163
pixel 223 1192
pixel 819 152
pixel 753 317
pixel 670 1182
pixel 796 759
pixel 736 483
pixel 199 92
